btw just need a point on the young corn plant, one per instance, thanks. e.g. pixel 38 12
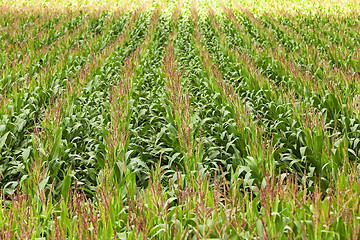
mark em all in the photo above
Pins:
pixel 181 109
pixel 117 139
pixel 179 119
pixel 46 147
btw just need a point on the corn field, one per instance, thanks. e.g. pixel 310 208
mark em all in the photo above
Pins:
pixel 179 119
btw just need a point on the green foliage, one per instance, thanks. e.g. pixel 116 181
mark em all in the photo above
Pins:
pixel 216 123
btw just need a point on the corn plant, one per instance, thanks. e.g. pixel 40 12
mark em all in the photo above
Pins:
pixel 179 119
